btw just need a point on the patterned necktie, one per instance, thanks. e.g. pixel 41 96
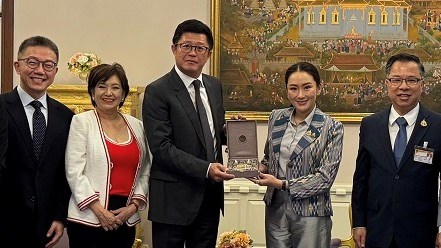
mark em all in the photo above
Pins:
pixel 209 143
pixel 39 127
pixel 400 140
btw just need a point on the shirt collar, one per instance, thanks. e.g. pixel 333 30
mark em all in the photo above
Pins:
pixel 410 116
pixel 187 79
pixel 26 98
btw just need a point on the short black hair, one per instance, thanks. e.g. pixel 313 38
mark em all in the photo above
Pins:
pixel 306 67
pixel 102 73
pixel 193 26
pixel 404 57
pixel 38 41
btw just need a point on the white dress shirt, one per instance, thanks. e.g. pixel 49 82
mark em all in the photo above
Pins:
pixel 188 82
pixel 410 117
pixel 26 99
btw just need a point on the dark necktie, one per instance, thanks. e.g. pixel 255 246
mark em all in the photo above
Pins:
pixel 39 128
pixel 400 140
pixel 209 143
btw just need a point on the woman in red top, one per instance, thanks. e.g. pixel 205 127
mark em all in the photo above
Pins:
pixel 107 166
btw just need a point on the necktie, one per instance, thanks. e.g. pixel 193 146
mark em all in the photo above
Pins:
pixel 209 143
pixel 39 127
pixel 400 140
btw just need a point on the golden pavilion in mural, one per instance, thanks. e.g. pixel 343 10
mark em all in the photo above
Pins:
pixel 348 40
pixel 354 19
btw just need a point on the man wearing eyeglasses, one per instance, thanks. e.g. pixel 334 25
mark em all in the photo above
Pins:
pixel 184 116
pixel 34 189
pixel 395 183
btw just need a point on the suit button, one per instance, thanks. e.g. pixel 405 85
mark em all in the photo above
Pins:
pixel 397 177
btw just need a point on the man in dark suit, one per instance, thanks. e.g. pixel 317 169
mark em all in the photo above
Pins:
pixel 3 138
pixel 34 188
pixel 186 189
pixel 395 184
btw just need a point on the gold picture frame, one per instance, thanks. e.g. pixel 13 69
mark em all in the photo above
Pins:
pixel 404 23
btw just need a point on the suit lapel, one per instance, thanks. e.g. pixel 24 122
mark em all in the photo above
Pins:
pixel 417 134
pixel 383 128
pixel 51 127
pixel 279 128
pixel 18 115
pixel 186 102
pixel 211 99
pixel 311 134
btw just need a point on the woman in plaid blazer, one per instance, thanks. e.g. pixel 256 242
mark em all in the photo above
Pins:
pixel 302 156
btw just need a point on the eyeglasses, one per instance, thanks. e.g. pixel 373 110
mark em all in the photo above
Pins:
pixel 187 48
pixel 399 81
pixel 33 63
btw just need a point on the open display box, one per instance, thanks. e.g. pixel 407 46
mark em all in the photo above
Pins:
pixel 242 148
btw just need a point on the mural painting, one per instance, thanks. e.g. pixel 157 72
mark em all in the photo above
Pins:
pixel 348 40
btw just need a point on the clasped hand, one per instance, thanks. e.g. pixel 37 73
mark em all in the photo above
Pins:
pixel 111 220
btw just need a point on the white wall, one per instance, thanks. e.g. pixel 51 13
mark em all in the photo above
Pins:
pixel 135 33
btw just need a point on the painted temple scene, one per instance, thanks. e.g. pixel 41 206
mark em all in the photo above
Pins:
pixel 348 40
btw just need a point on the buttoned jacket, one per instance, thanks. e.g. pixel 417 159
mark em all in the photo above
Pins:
pixel 313 164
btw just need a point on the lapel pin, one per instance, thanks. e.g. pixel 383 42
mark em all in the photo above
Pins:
pixel 310 134
pixel 423 123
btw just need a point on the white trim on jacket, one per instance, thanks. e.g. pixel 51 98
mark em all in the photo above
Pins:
pixel 88 167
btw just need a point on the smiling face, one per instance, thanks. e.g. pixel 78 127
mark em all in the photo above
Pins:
pixel 35 81
pixel 108 95
pixel 404 96
pixel 302 93
pixel 191 63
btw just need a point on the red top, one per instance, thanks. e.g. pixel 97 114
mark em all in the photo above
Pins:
pixel 124 158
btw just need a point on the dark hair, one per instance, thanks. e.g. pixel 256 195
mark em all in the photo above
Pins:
pixel 102 73
pixel 193 26
pixel 404 57
pixel 306 67
pixel 38 41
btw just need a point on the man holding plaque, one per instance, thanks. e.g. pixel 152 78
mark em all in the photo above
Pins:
pixel 184 120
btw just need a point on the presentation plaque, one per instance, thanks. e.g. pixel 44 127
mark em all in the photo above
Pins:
pixel 242 148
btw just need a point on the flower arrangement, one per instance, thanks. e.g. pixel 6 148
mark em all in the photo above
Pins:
pixel 80 64
pixel 234 239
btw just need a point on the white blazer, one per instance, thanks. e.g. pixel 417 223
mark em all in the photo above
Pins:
pixel 88 167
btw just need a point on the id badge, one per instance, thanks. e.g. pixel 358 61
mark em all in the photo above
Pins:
pixel 423 155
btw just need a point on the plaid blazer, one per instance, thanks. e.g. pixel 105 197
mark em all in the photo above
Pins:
pixel 313 164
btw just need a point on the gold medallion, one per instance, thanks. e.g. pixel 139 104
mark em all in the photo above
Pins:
pixel 310 134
